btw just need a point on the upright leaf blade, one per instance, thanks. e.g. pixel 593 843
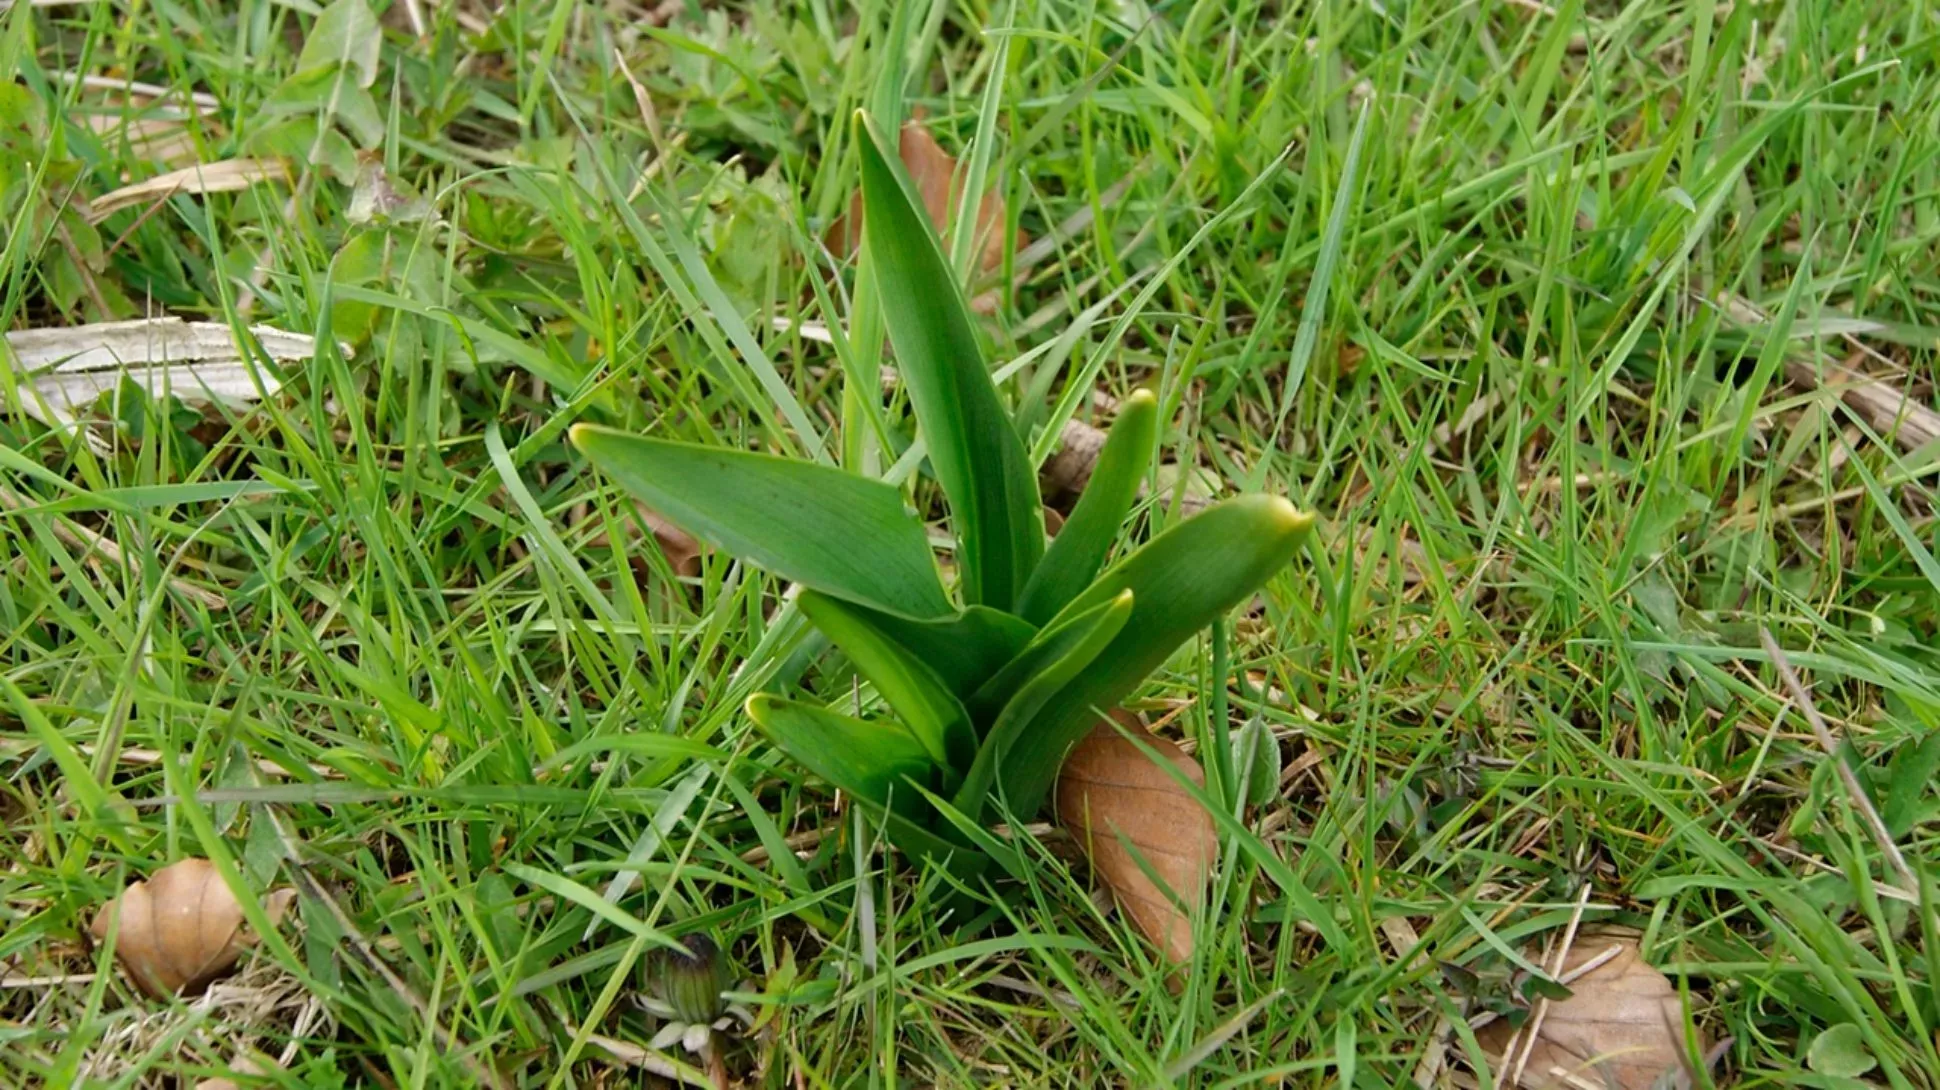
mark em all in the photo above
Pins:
pixel 929 710
pixel 1042 671
pixel 870 759
pixel 834 531
pixel 1080 548
pixel 975 450
pixel 1182 580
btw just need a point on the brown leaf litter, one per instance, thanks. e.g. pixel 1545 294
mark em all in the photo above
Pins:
pixel 181 929
pixel 1622 1027
pixel 1123 808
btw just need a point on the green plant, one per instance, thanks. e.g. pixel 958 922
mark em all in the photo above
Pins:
pixel 992 694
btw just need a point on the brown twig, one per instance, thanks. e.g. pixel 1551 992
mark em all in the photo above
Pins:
pixel 1860 800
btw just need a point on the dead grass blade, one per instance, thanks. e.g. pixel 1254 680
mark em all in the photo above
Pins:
pixel 227 176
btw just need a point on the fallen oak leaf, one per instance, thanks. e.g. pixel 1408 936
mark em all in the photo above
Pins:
pixel 1136 823
pixel 1621 1028
pixel 181 929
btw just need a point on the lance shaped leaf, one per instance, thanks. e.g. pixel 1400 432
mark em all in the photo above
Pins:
pixel 1080 548
pixel 833 531
pixel 1032 680
pixel 965 650
pixel 927 707
pixel 974 449
pixel 1182 580
pixel 873 759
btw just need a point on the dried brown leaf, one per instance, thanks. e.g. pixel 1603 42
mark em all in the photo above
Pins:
pixel 1620 1029
pixel 1115 800
pixel 246 1066
pixel 226 176
pixel 181 929
pixel 683 552
pixel 934 172
pixel 1066 472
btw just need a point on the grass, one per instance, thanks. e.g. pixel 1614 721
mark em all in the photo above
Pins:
pixel 1526 313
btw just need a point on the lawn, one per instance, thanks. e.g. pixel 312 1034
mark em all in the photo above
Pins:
pixel 1602 339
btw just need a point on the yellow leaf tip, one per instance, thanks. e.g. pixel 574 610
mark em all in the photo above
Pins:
pixel 1292 519
pixel 1140 398
pixel 577 434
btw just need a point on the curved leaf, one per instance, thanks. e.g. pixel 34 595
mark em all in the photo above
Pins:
pixel 1049 647
pixel 834 531
pixel 869 758
pixel 1182 579
pixel 1044 669
pixel 927 707
pixel 965 650
pixel 1080 548
pixel 974 449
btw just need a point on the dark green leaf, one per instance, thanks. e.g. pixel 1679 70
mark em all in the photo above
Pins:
pixel 1459 980
pixel 964 650
pixel 1047 649
pixel 974 449
pixel 928 709
pixel 1185 577
pixel 1080 548
pixel 1535 985
pixel 870 759
pixel 1061 654
pixel 834 531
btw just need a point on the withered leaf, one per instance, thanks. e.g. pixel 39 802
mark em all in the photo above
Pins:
pixel 1115 801
pixel 1620 1029
pixel 180 930
pixel 683 552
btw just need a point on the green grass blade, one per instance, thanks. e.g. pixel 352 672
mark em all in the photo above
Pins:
pixel 1061 654
pixel 928 708
pixel 868 758
pixel 1314 311
pixel 965 242
pixel 834 531
pixel 1182 579
pixel 1079 549
pixel 974 448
